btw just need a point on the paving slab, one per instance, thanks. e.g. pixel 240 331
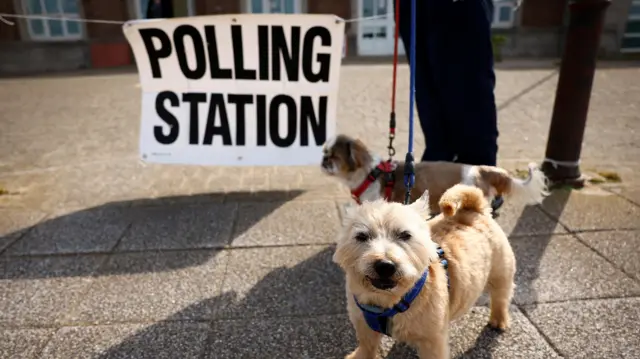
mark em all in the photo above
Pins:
pixel 591 329
pixel 267 282
pixel 165 340
pixel 41 291
pixel 152 286
pixel 82 231
pixel 559 267
pixel 332 336
pixel 294 222
pixel 630 193
pixel 23 343
pixel 518 220
pixel 180 226
pixel 622 248
pixel 591 210
pixel 471 338
pixel 308 337
pixel 14 223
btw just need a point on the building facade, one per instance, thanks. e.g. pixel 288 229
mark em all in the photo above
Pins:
pixel 533 29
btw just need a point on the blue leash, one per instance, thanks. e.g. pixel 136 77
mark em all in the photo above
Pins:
pixel 409 170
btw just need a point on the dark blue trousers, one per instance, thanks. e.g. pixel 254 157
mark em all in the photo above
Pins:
pixel 454 78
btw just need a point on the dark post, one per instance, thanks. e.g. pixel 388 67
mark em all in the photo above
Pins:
pixel 574 92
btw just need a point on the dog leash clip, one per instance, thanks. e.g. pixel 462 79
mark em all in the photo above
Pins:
pixel 409 176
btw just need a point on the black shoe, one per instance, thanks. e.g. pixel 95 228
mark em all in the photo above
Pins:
pixel 496 203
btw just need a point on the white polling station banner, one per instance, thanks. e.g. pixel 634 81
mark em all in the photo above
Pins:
pixel 240 90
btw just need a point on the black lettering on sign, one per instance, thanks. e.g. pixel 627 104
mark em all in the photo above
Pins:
pixel 323 59
pixel 155 54
pixel 238 55
pixel 261 118
pixel 279 48
pixel 194 98
pixel 179 35
pixel 274 120
pixel 214 60
pixel 318 124
pixel 167 117
pixel 263 56
pixel 240 101
pixel 216 104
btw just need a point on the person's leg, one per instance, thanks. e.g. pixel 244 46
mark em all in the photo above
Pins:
pixel 428 104
pixel 465 79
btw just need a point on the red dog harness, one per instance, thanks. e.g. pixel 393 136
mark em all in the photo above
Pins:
pixel 385 167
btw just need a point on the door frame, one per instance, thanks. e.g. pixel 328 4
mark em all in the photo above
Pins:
pixel 388 23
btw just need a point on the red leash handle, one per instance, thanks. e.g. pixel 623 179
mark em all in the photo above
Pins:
pixel 395 58
pixel 392 115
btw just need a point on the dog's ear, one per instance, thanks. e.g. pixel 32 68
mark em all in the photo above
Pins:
pixel 356 154
pixel 421 205
pixel 352 159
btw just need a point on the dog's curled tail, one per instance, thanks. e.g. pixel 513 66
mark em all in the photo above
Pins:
pixel 531 190
pixel 463 197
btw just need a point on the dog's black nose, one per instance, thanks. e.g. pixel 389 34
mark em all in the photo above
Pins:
pixel 384 268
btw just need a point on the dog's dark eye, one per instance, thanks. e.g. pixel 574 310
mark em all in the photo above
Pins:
pixel 362 237
pixel 404 235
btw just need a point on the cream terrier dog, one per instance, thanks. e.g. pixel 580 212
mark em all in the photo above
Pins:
pixel 409 278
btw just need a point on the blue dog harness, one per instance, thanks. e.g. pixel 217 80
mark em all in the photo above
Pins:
pixel 378 318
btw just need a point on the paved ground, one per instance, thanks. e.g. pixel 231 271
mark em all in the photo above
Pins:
pixel 103 257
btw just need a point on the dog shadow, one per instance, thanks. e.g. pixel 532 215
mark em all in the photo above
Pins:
pixel 530 250
pixel 292 312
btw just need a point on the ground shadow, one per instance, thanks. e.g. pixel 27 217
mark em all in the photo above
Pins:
pixel 292 312
pixel 530 250
pixel 203 221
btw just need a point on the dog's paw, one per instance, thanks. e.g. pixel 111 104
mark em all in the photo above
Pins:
pixel 499 324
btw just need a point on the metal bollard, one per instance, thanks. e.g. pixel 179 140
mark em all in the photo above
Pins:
pixel 573 93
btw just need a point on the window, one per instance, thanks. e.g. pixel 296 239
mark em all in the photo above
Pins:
pixel 141 8
pixel 634 11
pixel 41 29
pixel 274 6
pixel 503 14
pixel 170 9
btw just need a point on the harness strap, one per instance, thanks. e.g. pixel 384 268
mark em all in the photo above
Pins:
pixel 385 167
pixel 378 318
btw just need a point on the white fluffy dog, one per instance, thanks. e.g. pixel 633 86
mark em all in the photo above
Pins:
pixel 408 278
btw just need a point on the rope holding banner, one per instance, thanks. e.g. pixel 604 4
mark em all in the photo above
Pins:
pixel 409 170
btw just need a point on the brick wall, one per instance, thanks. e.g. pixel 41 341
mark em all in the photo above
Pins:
pixel 105 10
pixel 340 8
pixel 9 33
pixel 209 7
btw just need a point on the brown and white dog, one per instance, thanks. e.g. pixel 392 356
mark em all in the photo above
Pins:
pixel 369 177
